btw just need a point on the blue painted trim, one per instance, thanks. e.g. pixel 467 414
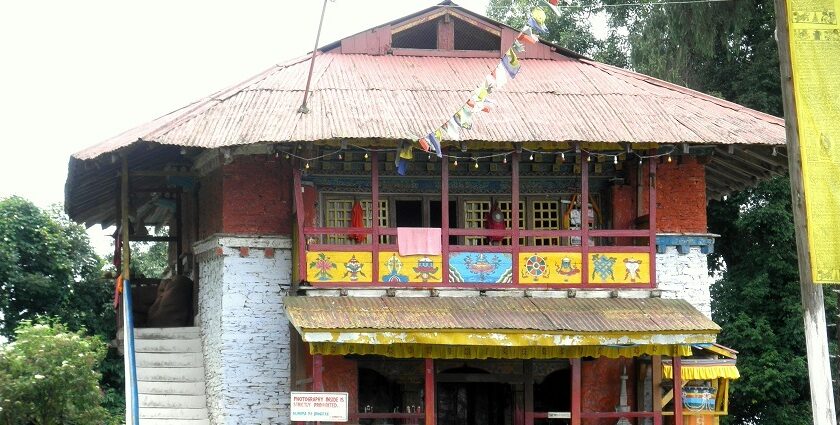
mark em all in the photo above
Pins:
pixel 684 243
pixel 129 355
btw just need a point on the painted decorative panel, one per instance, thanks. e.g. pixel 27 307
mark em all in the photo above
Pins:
pixel 480 267
pixel 618 268
pixel 394 268
pixel 339 267
pixel 550 268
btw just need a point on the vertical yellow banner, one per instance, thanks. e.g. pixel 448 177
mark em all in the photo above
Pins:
pixel 815 58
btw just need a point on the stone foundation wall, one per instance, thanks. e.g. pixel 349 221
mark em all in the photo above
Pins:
pixel 682 270
pixel 245 332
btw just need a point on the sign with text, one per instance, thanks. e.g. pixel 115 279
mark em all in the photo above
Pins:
pixel 319 407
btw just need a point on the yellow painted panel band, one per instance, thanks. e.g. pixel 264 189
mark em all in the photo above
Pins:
pixel 339 267
pixel 703 373
pixel 559 268
pixel 503 339
pixel 485 352
pixel 814 49
pixel 619 268
pixel 395 268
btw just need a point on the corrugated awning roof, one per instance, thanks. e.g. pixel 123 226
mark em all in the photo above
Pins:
pixel 345 325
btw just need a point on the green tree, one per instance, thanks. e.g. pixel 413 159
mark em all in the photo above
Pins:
pixel 49 375
pixel 571 29
pixel 48 268
pixel 757 304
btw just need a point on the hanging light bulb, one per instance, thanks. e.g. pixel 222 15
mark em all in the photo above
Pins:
pixel 366 155
pixel 640 160
pixel 476 164
pixel 563 156
pixel 531 157
pixel 615 159
pixel 276 155
pixel 287 155
pixel 669 158
pixel 430 157
pixel 307 165
pixel 340 157
pixel 504 160
pixel 455 163
pixel 588 158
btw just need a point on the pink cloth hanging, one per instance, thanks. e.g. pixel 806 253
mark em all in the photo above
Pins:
pixel 418 240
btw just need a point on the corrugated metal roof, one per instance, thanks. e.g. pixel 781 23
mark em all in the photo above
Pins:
pixel 402 97
pixel 502 313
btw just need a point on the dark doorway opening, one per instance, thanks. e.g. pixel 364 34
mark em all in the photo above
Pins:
pixel 435 214
pixel 554 394
pixel 472 400
pixel 408 213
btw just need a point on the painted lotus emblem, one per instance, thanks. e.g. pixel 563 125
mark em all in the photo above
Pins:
pixel 322 265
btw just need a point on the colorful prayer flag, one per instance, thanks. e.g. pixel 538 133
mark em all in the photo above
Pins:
pixel 518 47
pixel 464 117
pixel 452 129
pixel 527 36
pixel 402 166
pixel 554 5
pixel 435 144
pixel 511 63
pixel 424 144
pixel 500 75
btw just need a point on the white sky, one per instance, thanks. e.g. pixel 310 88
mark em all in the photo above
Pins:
pixel 73 73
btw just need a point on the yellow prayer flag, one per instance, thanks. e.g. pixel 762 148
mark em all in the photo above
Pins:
pixel 815 50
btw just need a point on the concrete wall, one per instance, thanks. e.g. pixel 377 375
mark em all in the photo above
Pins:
pixel 244 330
pixel 685 276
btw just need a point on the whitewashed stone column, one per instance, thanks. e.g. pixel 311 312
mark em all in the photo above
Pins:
pixel 244 330
pixel 682 270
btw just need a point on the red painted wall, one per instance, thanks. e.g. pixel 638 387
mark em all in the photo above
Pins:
pixel 342 375
pixel 601 387
pixel 256 196
pixel 210 204
pixel 680 195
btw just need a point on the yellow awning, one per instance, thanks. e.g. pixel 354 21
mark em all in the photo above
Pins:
pixel 702 371
pixel 485 327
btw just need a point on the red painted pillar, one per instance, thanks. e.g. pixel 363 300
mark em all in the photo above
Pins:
pixel 317 372
pixel 374 214
pixel 678 406
pixel 429 394
pixel 576 391
pixel 444 219
pixel 514 215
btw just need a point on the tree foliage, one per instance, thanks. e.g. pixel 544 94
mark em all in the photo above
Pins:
pixel 49 269
pixel 49 375
pixel 757 304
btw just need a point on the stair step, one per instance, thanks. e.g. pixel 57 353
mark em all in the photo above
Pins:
pixel 169 360
pixel 171 374
pixel 147 421
pixel 171 388
pixel 167 333
pixel 166 413
pixel 167 346
pixel 172 401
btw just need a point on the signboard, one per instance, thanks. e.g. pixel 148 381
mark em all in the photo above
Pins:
pixel 559 415
pixel 319 407
pixel 814 51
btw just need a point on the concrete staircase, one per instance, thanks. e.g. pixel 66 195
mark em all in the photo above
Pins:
pixel 170 376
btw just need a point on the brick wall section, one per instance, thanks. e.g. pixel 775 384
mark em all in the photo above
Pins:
pixel 209 205
pixel 680 195
pixel 601 387
pixel 257 196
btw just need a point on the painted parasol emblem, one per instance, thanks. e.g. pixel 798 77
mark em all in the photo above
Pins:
pixel 354 269
pixel 425 269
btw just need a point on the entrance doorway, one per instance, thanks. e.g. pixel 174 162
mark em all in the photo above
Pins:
pixel 468 396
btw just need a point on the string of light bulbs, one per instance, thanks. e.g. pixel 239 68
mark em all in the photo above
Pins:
pixel 475 159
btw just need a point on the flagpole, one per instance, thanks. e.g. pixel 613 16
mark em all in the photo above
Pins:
pixel 303 109
pixel 813 305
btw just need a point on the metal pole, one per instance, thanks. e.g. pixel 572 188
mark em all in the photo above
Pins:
pixel 132 409
pixel 303 108
pixel 813 306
